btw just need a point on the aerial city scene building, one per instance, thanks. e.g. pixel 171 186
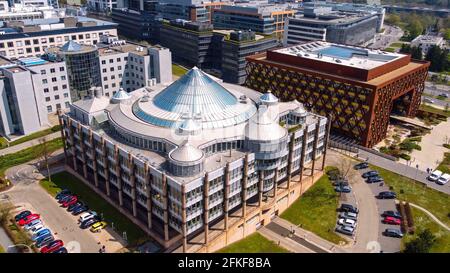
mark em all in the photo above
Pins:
pixel 224 126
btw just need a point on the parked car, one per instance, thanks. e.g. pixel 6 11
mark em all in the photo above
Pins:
pixel 369 174
pixel 387 195
pixel 52 246
pixel 40 234
pixel 391 213
pixel 32 224
pixel 97 227
pixel 71 207
pixel 374 179
pixel 392 232
pixel 22 215
pixel 28 219
pixel 89 222
pixel 444 179
pixel 362 165
pixel 345 230
pixel 36 229
pixel 70 201
pixel 347 222
pixel 348 208
pixel 86 215
pixel 44 241
pixel 62 193
pixel 435 175
pixel 64 198
pixel 444 95
pixel 61 250
pixel 80 210
pixel 428 100
pixel 340 182
pixel 348 215
pixel 391 220
pixel 344 189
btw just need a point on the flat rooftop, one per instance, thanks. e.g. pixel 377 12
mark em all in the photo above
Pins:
pixel 108 49
pixel 362 58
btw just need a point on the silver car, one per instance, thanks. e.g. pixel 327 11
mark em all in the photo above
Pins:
pixel 348 215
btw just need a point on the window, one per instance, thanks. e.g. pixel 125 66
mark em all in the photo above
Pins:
pixel 10 44
pixel 2 45
pixel 61 68
pixel 49 109
pixel 113 77
pixel 74 37
pixel 56 97
pixel 105 78
pixel 52 70
pixel 35 41
pixel 59 39
pixel 54 79
pixel 27 42
pixel 106 86
pixel 64 86
pixel 29 50
pixel 46 90
pixel 104 62
pixel 58 106
pixel 66 95
pixel 44 81
pixel 119 59
pixel 67 104
pixel 43 72
pixel 120 75
pixel 119 67
pixel 111 61
pixel 94 35
pixel 88 36
pixel 63 78
pixel 19 43
pixel 80 36
pixel 43 40
pixel 37 49
pixel 47 99
pixel 55 88
pixel 111 69
pixel 113 85
pixel 66 38
pixel 51 40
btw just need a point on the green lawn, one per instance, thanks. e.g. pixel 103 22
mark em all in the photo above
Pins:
pixel 31 136
pixel 316 211
pixel 65 180
pixel 254 243
pixel 178 70
pixel 390 49
pixel 434 110
pixel 445 164
pixel 2 250
pixel 438 203
pixel 3 142
pixel 396 44
pixel 422 221
pixel 23 156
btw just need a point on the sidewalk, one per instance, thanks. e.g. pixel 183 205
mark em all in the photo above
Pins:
pixel 28 144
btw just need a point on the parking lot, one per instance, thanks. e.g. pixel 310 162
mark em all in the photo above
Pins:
pixel 28 194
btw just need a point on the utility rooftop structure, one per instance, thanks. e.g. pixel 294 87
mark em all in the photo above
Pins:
pixel 357 87
pixel 181 157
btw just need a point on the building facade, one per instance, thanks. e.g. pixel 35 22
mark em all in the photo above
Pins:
pixel 357 88
pixel 31 38
pixel 197 160
pixel 112 64
pixel 427 41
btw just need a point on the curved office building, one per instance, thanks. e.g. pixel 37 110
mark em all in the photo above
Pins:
pixel 181 158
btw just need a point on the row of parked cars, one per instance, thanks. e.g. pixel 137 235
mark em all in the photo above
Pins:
pixel 40 234
pixel 88 219
pixel 439 177
pixel 391 217
pixel 348 218
pixel 374 177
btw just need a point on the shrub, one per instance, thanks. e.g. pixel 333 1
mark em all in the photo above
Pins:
pixel 403 223
pixel 422 244
pixel 447 146
pixel 409 218
pixel 405 156
pixel 416 138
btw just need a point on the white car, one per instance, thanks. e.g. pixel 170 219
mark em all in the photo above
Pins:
pixel 444 179
pixel 86 215
pixel 435 175
pixel 36 229
pixel 427 100
pixel 33 224
pixel 347 222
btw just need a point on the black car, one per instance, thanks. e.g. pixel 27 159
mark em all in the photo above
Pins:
pixel 79 210
pixel 89 222
pixel 392 232
pixel 22 215
pixel 340 183
pixel 348 208
pixel 75 206
pixel 387 195
pixel 62 193
pixel 362 165
pixel 391 213
pixel 374 179
pixel 61 250
pixel 369 174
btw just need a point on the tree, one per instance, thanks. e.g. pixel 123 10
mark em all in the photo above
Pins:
pixel 422 244
pixel 5 209
pixel 393 19
pixel 406 49
pixel 345 167
pixel 416 53
pixel 45 154
pixel 447 34
pixel 439 58
pixel 415 28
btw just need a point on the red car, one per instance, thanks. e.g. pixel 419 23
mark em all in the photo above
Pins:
pixel 69 202
pixel 52 247
pixel 391 220
pixel 28 219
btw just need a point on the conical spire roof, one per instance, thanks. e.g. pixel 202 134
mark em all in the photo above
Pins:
pixel 71 46
pixel 195 92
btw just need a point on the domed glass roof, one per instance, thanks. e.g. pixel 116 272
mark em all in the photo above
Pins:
pixel 194 93
pixel 268 98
